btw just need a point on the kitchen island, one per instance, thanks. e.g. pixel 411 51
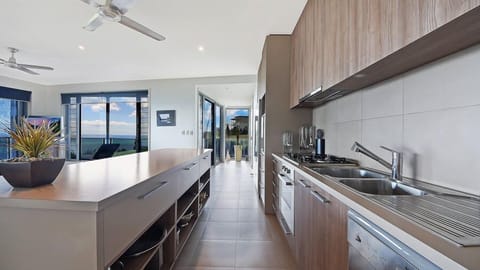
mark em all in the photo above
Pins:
pixel 96 210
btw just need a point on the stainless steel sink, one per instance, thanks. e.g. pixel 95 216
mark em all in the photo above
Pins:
pixel 343 172
pixel 382 187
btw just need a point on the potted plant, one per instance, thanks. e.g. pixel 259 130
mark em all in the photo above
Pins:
pixel 238 146
pixel 35 167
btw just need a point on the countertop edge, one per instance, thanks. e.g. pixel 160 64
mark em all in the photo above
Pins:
pixel 91 206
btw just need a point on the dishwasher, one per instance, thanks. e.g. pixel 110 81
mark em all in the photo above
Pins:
pixel 370 247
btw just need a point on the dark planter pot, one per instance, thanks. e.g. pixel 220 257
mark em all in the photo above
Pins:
pixel 31 174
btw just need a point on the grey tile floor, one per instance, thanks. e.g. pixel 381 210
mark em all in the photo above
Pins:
pixel 233 232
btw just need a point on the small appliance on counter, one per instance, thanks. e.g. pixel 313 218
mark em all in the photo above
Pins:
pixel 320 145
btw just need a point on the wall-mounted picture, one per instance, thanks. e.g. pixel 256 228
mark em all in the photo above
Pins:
pixel 166 118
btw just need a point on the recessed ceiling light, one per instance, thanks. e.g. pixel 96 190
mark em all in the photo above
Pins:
pixel 81 47
pixel 360 75
pixel 200 48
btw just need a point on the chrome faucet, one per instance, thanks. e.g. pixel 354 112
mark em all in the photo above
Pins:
pixel 397 159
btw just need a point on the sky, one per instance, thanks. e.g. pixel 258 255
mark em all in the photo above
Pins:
pixel 231 113
pixel 122 119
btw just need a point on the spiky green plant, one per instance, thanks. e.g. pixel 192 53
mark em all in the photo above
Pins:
pixel 32 141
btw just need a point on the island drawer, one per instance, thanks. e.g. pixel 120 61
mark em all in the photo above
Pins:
pixel 205 162
pixel 186 177
pixel 127 219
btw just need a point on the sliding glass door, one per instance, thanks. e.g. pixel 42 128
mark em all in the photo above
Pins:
pixel 112 118
pixel 211 124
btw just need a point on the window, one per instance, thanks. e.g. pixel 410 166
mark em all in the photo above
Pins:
pixel 13 105
pixel 93 119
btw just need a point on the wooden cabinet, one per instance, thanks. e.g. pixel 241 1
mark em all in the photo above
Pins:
pixel 319 39
pixel 334 227
pixel 336 39
pixel 303 224
pixel 320 228
pixel 296 62
pixel 308 49
pixel 335 43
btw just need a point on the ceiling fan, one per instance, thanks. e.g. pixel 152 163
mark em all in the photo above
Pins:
pixel 12 63
pixel 114 11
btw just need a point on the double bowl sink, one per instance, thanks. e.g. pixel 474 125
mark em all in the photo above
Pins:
pixel 368 181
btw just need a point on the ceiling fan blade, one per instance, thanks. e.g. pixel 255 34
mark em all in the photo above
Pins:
pixel 140 28
pixel 26 70
pixel 92 3
pixel 35 67
pixel 123 5
pixel 95 22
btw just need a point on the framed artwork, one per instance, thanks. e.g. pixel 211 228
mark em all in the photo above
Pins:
pixel 166 118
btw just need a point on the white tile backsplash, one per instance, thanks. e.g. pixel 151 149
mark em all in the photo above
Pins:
pixel 447 148
pixel 450 82
pixel 347 133
pixel 351 107
pixel 386 131
pixel 432 114
pixel 383 99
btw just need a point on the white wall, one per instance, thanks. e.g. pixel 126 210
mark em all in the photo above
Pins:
pixel 41 95
pixel 432 114
pixel 168 94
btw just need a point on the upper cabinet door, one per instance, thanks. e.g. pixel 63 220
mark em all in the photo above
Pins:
pixel 335 44
pixel 309 48
pixel 319 42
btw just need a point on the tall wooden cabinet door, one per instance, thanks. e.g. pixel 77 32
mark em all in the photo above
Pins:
pixel 302 224
pixel 309 48
pixel 335 49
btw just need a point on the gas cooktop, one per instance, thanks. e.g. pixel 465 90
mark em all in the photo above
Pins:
pixel 312 159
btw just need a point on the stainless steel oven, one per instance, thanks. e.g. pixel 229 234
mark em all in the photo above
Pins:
pixel 286 194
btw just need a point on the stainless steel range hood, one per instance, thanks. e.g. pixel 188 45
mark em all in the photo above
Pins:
pixel 319 97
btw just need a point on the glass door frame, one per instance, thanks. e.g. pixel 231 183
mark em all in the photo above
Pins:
pixel 216 159
pixel 67 99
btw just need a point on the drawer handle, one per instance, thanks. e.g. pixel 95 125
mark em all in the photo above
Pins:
pixel 319 197
pixel 191 167
pixel 205 157
pixel 302 182
pixel 146 195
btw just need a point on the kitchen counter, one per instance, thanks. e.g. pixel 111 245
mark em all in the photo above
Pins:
pixel 94 184
pixel 94 211
pixel 441 251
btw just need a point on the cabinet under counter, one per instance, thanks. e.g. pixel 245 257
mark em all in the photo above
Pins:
pixel 94 210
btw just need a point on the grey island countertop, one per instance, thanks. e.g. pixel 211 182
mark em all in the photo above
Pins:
pixel 91 184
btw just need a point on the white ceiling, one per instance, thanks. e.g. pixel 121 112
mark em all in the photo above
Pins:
pixel 230 95
pixel 48 32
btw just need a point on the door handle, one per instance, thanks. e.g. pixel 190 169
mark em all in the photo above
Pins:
pixel 319 197
pixel 302 182
pixel 146 195
pixel 191 167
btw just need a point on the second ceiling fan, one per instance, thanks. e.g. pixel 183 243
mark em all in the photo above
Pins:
pixel 114 11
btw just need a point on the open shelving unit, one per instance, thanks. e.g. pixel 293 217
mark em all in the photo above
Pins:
pixel 163 256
